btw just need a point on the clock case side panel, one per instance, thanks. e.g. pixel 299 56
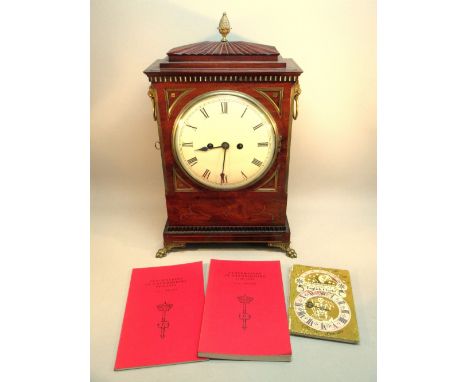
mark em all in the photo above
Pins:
pixel 156 97
pixel 194 205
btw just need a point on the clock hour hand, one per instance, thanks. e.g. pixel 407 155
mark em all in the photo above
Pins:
pixel 209 146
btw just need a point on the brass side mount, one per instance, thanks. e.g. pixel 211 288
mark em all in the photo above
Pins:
pixel 153 100
pixel 296 94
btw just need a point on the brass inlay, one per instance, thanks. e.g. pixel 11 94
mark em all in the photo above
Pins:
pixel 267 185
pixel 265 92
pixel 173 96
pixel 181 185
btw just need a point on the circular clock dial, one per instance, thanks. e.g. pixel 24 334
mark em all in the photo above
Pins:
pixel 225 140
pixel 321 310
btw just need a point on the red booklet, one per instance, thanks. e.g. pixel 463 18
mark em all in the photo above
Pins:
pixel 163 316
pixel 245 312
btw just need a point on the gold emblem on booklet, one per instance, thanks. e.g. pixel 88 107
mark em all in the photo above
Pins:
pixel 321 304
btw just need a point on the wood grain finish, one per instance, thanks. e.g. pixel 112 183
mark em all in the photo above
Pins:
pixel 256 214
pixel 243 207
pixel 223 51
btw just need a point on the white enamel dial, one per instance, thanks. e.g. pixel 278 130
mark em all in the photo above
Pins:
pixel 225 140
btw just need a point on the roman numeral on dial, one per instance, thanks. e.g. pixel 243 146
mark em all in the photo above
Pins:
pixel 243 112
pixel 258 126
pixel 256 162
pixel 206 174
pixel 192 161
pixel 245 176
pixel 193 127
pixel 262 144
pixel 343 320
pixel 203 111
pixel 187 144
pixel 224 107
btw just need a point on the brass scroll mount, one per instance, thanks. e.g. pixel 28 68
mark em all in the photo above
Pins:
pixel 153 100
pixel 296 94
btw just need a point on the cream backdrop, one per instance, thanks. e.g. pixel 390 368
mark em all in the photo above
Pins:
pixel 332 181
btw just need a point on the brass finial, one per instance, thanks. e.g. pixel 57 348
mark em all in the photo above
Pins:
pixel 224 27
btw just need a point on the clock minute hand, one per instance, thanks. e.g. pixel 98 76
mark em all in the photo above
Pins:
pixel 225 146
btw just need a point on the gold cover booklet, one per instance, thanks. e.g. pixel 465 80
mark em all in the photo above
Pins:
pixel 321 304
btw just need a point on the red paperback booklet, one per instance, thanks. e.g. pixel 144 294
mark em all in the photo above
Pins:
pixel 245 312
pixel 163 316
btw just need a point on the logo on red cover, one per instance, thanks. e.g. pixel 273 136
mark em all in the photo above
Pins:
pixel 244 316
pixel 164 324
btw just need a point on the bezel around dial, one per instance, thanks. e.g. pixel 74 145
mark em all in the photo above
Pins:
pixel 250 100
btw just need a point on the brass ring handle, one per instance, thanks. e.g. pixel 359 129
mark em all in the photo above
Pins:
pixel 153 100
pixel 297 93
pixel 296 107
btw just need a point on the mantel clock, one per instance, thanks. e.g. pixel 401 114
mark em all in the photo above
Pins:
pixel 224 112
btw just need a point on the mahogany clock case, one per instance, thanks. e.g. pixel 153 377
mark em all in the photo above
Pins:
pixel 256 213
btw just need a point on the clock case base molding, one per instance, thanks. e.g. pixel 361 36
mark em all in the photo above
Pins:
pixel 272 236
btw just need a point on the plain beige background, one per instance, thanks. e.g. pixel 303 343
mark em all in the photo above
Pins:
pixel 332 181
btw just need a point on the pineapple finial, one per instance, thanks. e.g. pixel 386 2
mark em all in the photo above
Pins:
pixel 224 27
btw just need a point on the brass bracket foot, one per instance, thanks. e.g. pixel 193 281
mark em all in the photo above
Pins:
pixel 162 252
pixel 285 247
